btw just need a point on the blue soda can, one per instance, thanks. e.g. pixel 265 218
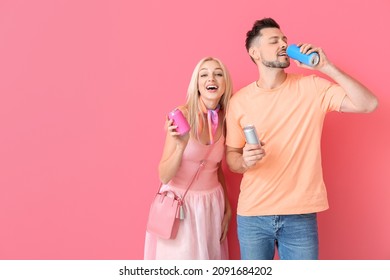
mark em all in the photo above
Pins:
pixel 308 59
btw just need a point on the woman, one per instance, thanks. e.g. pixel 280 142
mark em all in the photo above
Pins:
pixel 202 233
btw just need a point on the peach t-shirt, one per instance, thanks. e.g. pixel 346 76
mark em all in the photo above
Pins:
pixel 289 120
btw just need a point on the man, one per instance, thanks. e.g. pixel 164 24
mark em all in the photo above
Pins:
pixel 282 187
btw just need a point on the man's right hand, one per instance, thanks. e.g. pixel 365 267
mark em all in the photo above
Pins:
pixel 252 153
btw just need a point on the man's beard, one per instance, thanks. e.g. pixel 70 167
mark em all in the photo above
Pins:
pixel 276 64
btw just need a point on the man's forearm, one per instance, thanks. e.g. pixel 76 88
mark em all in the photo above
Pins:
pixel 361 99
pixel 236 162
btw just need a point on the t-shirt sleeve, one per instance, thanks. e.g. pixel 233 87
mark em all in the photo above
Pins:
pixel 234 136
pixel 331 95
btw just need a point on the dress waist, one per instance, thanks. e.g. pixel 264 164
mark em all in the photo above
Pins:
pixel 193 192
pixel 205 180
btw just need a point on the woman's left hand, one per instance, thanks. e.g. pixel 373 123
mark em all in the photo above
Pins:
pixel 225 223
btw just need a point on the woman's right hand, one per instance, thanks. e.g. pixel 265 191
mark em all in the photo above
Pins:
pixel 181 140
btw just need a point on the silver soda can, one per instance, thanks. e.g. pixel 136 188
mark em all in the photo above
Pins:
pixel 251 135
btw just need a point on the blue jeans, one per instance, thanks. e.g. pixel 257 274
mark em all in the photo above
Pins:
pixel 295 237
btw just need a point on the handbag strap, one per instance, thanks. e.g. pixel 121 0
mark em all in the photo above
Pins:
pixel 201 164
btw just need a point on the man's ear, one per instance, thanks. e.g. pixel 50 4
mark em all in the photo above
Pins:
pixel 254 53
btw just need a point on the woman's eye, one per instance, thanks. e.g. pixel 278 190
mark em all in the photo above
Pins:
pixel 203 75
pixel 219 74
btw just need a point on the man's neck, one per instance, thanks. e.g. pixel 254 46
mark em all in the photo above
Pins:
pixel 271 77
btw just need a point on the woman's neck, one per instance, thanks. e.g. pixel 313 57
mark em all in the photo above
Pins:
pixel 210 104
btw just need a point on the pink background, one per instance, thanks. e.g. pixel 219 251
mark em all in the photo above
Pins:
pixel 84 89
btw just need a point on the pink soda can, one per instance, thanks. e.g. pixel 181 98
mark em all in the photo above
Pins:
pixel 180 121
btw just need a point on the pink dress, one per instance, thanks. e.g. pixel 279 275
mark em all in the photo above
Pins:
pixel 199 233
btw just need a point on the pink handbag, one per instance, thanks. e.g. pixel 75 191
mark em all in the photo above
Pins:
pixel 164 215
pixel 166 210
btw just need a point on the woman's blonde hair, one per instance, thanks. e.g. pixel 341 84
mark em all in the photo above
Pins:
pixel 193 94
